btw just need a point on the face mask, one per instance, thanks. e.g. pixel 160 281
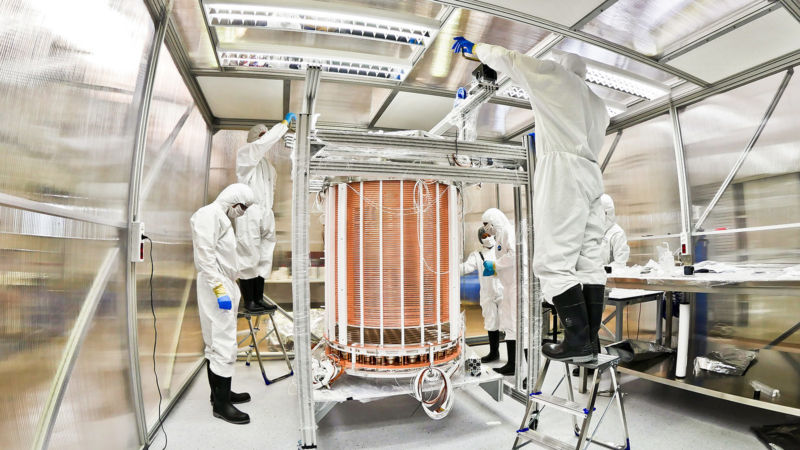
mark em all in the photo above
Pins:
pixel 489 242
pixel 236 211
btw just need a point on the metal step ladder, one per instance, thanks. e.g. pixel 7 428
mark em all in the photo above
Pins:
pixel 581 413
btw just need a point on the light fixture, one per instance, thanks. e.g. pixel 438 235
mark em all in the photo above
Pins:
pixel 512 91
pixel 322 17
pixel 299 58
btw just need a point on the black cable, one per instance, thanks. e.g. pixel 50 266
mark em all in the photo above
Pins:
pixel 155 342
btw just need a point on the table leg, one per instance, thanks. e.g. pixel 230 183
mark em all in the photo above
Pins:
pixel 620 316
pixel 659 314
pixel 668 315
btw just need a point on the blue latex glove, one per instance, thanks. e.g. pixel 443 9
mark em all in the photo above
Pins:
pixel 289 117
pixel 488 268
pixel 462 45
pixel 224 302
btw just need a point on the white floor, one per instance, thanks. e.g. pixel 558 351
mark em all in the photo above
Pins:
pixel 659 417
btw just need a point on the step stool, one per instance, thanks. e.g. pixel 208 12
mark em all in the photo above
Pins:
pixel 528 429
pixel 253 346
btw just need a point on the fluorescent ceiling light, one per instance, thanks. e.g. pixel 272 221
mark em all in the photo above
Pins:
pixel 512 91
pixel 299 58
pixel 322 17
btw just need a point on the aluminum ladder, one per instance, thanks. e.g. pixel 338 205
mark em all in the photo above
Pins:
pixel 581 414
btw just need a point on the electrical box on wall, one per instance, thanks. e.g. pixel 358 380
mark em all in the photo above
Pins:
pixel 136 242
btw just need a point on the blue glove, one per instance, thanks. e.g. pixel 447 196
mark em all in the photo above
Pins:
pixel 223 300
pixel 488 268
pixel 462 45
pixel 289 117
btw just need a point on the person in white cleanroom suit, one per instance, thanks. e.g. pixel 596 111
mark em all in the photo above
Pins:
pixel 491 291
pixel 614 247
pixel 504 266
pixel 256 245
pixel 215 259
pixel 568 216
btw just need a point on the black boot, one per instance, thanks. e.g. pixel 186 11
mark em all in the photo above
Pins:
pixel 223 408
pixel 250 295
pixel 236 397
pixel 494 347
pixel 594 296
pixel 576 347
pixel 508 369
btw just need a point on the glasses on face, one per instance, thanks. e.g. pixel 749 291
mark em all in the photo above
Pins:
pixel 242 206
pixel 484 236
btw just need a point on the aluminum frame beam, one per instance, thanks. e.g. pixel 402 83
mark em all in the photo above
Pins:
pixel 610 151
pixel 683 183
pixel 554 27
pixel 792 7
pixel 408 171
pixel 743 156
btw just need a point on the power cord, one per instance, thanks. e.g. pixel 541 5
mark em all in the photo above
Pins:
pixel 155 342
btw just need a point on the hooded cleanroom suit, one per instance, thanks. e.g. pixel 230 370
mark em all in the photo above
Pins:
pixel 570 127
pixel 614 248
pixel 491 289
pixel 506 266
pixel 216 263
pixel 254 168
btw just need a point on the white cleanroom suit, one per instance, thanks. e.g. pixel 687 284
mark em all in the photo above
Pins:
pixel 255 242
pixel 215 259
pixel 614 247
pixel 491 289
pixel 254 168
pixel 570 126
pixel 505 263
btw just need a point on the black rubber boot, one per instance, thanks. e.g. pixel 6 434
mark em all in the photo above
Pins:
pixel 509 368
pixel 223 408
pixel 236 397
pixel 594 296
pixel 250 295
pixel 576 347
pixel 494 347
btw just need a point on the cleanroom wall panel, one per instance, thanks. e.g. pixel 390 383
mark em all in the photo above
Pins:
pixel 415 111
pixel 496 121
pixel 97 410
pixel 190 24
pixel 565 13
pixel 642 179
pixel 174 163
pixel 650 27
pixel 339 103
pixel 68 101
pixel 70 86
pixel 243 98
pixel 761 40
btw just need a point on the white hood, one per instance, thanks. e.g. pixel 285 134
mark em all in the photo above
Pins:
pixel 497 220
pixel 608 207
pixel 233 194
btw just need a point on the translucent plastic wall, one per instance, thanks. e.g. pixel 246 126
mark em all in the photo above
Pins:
pixel 641 177
pixel 175 164
pixel 70 91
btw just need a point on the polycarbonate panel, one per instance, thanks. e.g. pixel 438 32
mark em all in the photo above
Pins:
pixel 68 100
pixel 410 111
pixel 715 132
pixel 422 8
pixel 47 265
pixel 621 62
pixel 97 409
pixel 565 13
pixel 175 162
pixel 642 179
pixel 760 246
pixel 644 250
pixel 243 98
pixel 340 103
pixel 497 121
pixel 441 68
pixel 649 27
pixel 754 43
pixel 222 168
pixel 607 141
pixel 190 24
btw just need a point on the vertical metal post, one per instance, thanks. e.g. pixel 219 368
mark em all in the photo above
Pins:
pixel 301 300
pixel 535 303
pixel 683 185
pixel 520 236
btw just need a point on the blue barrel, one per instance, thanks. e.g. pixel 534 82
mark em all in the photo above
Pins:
pixel 471 288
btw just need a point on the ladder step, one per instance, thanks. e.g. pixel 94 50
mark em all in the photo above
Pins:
pixel 544 440
pixel 561 404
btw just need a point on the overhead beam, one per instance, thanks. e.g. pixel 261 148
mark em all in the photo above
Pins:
pixel 717 30
pixel 659 107
pixel 792 7
pixel 521 17
pixel 383 108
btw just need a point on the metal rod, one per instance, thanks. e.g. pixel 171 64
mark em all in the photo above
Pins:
pixel 743 156
pixel 521 294
pixel 683 183
pixel 535 306
pixel 300 262
pixel 610 151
